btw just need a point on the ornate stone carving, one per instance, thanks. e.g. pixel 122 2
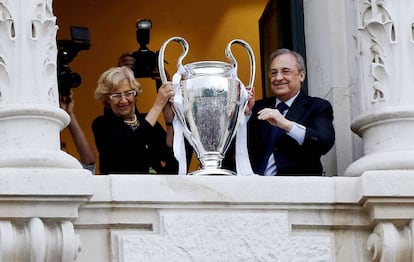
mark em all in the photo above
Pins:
pixel 386 64
pixel 386 39
pixel 7 32
pixel 377 36
pixel 36 240
pixel 28 51
pixel 43 34
pixel 390 244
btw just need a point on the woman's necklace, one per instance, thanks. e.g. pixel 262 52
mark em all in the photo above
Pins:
pixel 133 123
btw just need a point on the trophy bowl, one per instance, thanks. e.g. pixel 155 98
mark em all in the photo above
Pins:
pixel 209 106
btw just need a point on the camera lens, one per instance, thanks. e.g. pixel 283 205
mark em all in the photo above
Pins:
pixel 75 80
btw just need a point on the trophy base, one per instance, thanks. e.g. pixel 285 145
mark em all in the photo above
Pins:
pixel 212 172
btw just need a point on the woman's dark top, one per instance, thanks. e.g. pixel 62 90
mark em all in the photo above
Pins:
pixel 123 150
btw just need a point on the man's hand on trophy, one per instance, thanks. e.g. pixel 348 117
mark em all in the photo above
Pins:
pixel 126 59
pixel 250 100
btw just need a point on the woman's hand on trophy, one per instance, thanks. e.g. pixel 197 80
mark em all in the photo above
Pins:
pixel 165 95
pixel 250 100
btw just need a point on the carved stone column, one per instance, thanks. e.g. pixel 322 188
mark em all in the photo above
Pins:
pixel 30 117
pixel 41 187
pixel 386 60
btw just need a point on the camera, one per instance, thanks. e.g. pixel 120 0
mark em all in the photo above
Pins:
pixel 67 51
pixel 146 61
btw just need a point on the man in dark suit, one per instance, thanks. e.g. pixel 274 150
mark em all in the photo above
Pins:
pixel 288 133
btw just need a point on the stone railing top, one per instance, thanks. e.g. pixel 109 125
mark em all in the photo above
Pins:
pixel 254 189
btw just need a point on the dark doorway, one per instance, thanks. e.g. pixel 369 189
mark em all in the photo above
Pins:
pixel 281 26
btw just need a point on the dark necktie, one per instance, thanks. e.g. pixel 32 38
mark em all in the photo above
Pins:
pixel 282 107
pixel 274 133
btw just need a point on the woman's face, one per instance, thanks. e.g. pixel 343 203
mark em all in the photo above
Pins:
pixel 122 100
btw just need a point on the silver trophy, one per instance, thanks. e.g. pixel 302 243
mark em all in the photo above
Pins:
pixel 209 105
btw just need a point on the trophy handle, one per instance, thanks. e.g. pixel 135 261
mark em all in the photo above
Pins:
pixel 249 50
pixel 184 45
pixel 175 107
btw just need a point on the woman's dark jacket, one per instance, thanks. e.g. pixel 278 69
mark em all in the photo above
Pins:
pixel 126 151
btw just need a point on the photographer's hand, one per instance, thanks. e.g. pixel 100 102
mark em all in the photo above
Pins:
pixel 86 153
pixel 126 59
pixel 67 104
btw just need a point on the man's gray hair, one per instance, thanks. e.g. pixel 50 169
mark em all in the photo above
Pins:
pixel 282 51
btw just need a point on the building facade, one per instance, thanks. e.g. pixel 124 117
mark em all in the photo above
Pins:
pixel 360 56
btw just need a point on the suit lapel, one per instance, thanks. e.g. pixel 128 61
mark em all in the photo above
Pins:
pixel 298 108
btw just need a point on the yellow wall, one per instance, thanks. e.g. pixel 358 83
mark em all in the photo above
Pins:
pixel 207 25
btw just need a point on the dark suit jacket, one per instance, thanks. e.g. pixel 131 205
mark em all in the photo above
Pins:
pixel 315 114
